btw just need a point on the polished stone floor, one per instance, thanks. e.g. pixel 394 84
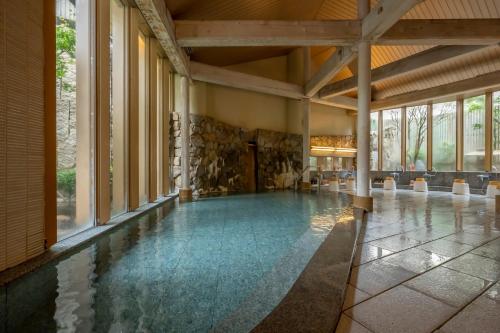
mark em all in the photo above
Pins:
pixel 424 263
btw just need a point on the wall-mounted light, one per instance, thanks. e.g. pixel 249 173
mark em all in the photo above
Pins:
pixel 334 149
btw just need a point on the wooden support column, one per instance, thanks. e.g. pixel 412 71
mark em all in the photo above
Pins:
pixel 152 123
pixel 363 199
pixel 133 116
pixel 380 140
pixel 49 82
pixel 429 136
pixel 404 135
pixel 166 109
pixel 488 143
pixel 306 114
pixel 102 191
pixel 460 134
pixel 185 193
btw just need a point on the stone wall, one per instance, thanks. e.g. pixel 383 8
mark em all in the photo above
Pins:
pixel 279 159
pixel 218 152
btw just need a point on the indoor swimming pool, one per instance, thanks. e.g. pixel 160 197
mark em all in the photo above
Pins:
pixel 218 264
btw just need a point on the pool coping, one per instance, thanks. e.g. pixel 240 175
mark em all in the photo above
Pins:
pixel 314 303
pixel 79 240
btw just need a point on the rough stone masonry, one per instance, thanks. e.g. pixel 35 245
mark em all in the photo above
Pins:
pixel 218 150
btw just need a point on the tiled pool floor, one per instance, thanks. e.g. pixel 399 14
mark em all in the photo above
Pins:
pixel 194 269
pixel 426 262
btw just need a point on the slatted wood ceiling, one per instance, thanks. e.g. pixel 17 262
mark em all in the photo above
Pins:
pixel 21 131
pixel 324 10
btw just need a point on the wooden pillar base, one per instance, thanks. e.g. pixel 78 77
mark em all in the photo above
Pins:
pixel 305 186
pixel 497 204
pixel 185 194
pixel 365 203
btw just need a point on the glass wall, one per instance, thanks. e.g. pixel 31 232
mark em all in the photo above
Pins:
pixel 496 131
pixel 143 118
pixel 391 148
pixel 159 127
pixel 416 138
pixel 75 114
pixel 374 141
pixel 118 121
pixel 444 136
pixel 474 133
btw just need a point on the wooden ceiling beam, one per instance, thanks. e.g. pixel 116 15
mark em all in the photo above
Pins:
pixel 443 32
pixel 233 79
pixel 329 69
pixel 343 102
pixel 158 18
pixel 228 78
pixel 383 16
pixel 266 33
pixel 335 33
pixel 418 61
pixel 478 83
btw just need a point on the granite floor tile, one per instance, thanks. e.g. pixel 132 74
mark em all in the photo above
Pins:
pixel 490 250
pixel 427 234
pixel 475 265
pixel 347 325
pixel 401 310
pixel 415 260
pixel 395 243
pixel 353 296
pixel 446 248
pixel 470 238
pixel 366 253
pixel 449 286
pixel 482 315
pixel 377 276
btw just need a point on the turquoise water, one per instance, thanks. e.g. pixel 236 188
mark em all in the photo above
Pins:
pixel 217 264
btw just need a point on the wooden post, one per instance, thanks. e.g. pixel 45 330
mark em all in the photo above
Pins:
pixel 185 193
pixel 103 211
pixel 404 134
pixel 363 199
pixel 306 114
pixel 49 81
pixel 488 143
pixel 380 140
pixel 429 136
pixel 460 134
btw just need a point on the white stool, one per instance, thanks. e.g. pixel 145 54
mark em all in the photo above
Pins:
pixel 350 184
pixel 492 191
pixel 389 184
pixel 334 185
pixel 460 187
pixel 420 185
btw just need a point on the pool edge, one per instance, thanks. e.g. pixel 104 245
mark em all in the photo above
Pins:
pixel 79 240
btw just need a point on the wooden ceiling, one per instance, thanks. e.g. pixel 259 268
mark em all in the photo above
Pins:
pixel 340 9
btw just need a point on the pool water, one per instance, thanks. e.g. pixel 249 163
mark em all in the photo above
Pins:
pixel 216 264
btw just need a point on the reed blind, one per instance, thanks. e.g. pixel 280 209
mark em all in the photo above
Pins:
pixel 21 131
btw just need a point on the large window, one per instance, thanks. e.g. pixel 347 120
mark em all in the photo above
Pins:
pixel 444 136
pixel 143 117
pixel 392 139
pixel 75 114
pixel 159 127
pixel 374 141
pixel 416 138
pixel 496 131
pixel 474 133
pixel 118 121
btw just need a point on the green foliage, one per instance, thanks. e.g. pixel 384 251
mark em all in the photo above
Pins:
pixel 66 181
pixel 65 50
